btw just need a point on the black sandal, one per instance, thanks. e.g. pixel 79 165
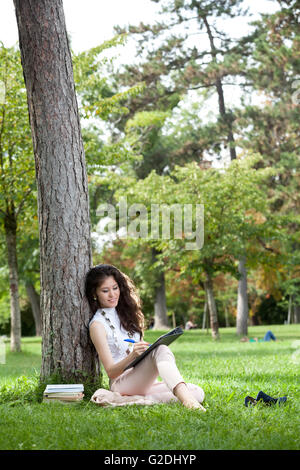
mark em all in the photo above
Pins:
pixel 269 400
pixel 250 401
pixel 263 397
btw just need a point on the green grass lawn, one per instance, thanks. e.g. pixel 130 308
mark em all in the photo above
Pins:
pixel 227 371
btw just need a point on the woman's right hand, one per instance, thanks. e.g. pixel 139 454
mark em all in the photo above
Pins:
pixel 139 348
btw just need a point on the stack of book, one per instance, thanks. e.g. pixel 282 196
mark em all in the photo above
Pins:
pixel 67 393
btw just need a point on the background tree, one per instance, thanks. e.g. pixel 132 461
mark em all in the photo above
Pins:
pixel 29 268
pixel 187 65
pixel 229 221
pixel 16 173
pixel 270 126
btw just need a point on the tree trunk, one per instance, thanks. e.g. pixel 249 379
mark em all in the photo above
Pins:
pixel 204 318
pixel 219 87
pixel 160 306
pixel 173 320
pixel 34 299
pixel 63 205
pixel 227 324
pixel 290 309
pixel 296 313
pixel 242 303
pixel 212 308
pixel 10 225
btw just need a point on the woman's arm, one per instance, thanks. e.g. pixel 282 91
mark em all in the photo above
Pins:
pixel 113 370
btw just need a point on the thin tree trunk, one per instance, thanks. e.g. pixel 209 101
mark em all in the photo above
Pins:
pixel 290 309
pixel 34 299
pixel 227 324
pixel 10 225
pixel 297 314
pixel 212 308
pixel 220 92
pixel 204 318
pixel 242 303
pixel 160 306
pixel 63 204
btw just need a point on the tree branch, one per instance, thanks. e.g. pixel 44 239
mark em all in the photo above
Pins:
pixel 23 201
pixel 267 247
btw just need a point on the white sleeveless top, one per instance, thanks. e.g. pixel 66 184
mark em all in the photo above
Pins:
pixel 115 333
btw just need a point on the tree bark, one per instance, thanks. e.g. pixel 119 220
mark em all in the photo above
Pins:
pixel 160 306
pixel 296 313
pixel 63 205
pixel 34 299
pixel 10 226
pixel 212 308
pixel 242 302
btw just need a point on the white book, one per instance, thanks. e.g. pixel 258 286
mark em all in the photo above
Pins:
pixel 64 385
pixel 74 388
pixel 67 394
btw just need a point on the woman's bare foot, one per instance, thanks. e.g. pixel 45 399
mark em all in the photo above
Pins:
pixel 193 405
pixel 187 399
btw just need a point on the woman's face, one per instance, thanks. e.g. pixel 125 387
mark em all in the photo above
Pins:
pixel 108 293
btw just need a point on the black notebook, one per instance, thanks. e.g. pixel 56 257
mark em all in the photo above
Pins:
pixel 164 339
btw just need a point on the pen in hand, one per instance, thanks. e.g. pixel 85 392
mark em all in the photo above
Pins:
pixel 132 341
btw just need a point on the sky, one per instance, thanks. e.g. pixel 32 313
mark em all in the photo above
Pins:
pixel 90 22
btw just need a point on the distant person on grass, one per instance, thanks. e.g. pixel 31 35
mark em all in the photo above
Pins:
pixel 268 337
pixel 190 325
pixel 117 316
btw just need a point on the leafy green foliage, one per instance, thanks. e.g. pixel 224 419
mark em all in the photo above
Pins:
pixel 22 390
pixel 271 128
pixel 235 208
pixel 17 171
pixel 18 203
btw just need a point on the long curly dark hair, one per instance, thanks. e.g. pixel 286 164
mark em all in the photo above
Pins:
pixel 129 305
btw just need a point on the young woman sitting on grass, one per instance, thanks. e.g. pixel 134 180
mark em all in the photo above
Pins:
pixel 117 316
